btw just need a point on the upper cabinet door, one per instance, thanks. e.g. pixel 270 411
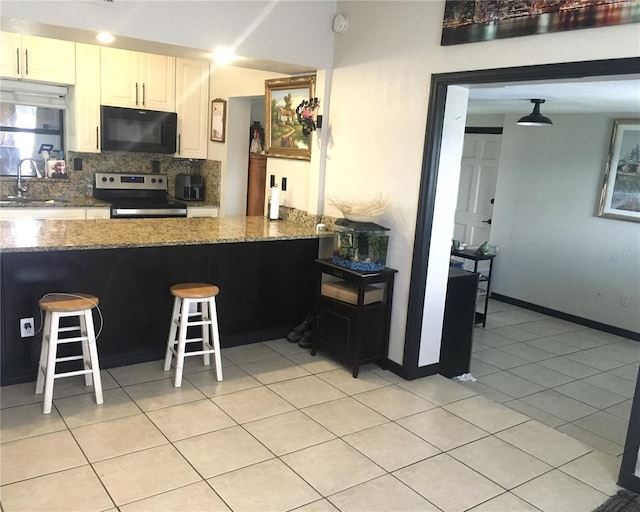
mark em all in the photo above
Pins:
pixel 138 80
pixel 10 55
pixel 119 78
pixel 158 78
pixel 84 123
pixel 37 58
pixel 192 98
pixel 49 60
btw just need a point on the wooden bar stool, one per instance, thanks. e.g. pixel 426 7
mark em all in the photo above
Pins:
pixel 57 306
pixel 204 297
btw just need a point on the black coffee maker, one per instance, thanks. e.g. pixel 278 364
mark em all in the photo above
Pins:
pixel 190 187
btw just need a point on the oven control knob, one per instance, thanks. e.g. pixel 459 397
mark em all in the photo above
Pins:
pixel 153 180
pixel 159 180
pixel 111 179
pixel 104 179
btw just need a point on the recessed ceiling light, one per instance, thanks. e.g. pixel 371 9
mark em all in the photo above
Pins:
pixel 105 38
pixel 224 55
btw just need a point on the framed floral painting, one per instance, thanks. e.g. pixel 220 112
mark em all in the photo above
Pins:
pixel 283 134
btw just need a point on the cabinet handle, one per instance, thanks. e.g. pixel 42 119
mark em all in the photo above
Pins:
pixel 26 62
pixel 97 137
pixel 178 143
pixel 143 95
pixel 18 60
pixel 136 93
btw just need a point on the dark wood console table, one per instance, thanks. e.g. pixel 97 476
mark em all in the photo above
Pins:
pixel 353 313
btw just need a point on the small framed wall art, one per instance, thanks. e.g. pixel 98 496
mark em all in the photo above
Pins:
pixel 218 120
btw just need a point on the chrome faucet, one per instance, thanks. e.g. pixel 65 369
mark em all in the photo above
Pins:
pixel 21 189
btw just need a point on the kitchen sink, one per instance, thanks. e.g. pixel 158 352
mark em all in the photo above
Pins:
pixel 27 201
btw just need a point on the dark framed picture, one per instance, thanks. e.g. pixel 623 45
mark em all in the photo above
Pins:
pixel 218 120
pixel 620 196
pixel 471 21
pixel 283 134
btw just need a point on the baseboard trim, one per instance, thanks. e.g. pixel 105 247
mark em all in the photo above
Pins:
pixel 568 317
pixel 408 373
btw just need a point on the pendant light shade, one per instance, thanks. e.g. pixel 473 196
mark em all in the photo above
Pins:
pixel 535 118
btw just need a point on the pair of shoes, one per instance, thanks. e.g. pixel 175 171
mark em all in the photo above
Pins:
pixel 306 341
pixel 298 331
pixel 305 325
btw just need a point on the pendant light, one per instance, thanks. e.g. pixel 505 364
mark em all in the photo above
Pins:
pixel 535 118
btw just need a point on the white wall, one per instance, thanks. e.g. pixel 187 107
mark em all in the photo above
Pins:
pixel 380 90
pixel 554 250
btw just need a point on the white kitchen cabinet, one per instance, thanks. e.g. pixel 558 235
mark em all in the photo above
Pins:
pixel 64 213
pixel 192 99
pixel 84 104
pixel 37 58
pixel 138 80
pixel 98 213
pixel 202 211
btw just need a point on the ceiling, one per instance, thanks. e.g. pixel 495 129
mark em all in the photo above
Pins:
pixel 613 95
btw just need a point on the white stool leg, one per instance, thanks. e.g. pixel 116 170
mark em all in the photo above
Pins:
pixel 44 352
pixel 87 319
pixel 86 356
pixel 216 337
pixel 173 327
pixel 51 363
pixel 182 341
pixel 205 316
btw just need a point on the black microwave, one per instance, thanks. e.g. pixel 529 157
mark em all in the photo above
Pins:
pixel 132 129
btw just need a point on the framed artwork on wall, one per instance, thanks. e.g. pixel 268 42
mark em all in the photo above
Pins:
pixel 471 21
pixel 283 134
pixel 620 196
pixel 218 120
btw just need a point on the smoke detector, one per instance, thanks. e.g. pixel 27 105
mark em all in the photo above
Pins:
pixel 340 23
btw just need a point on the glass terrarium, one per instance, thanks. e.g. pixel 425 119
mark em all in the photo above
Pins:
pixel 360 246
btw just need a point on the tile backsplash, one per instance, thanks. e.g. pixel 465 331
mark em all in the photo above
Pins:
pixel 119 161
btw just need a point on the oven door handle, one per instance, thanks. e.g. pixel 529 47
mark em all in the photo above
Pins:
pixel 148 212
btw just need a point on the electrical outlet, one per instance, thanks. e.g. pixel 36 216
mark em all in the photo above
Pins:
pixel 624 300
pixel 26 327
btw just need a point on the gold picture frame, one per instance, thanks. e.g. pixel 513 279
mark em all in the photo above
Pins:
pixel 218 120
pixel 283 133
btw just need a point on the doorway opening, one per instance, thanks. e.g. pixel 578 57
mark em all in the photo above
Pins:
pixel 440 86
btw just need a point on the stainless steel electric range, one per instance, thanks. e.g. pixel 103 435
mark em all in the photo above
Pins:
pixel 137 195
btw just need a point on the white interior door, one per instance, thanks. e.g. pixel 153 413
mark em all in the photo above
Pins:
pixel 478 174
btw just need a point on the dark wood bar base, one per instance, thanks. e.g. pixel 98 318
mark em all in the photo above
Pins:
pixel 266 288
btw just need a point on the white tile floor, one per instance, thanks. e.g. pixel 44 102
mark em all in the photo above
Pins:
pixel 287 431
pixel 578 380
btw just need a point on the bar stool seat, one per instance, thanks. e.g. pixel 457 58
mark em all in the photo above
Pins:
pixel 62 305
pixel 203 317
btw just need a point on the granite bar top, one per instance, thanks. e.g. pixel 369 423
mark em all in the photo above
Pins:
pixel 36 235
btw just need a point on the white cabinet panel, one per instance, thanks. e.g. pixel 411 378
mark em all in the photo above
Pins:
pixel 202 211
pixel 84 104
pixel 138 80
pixel 37 58
pixel 192 98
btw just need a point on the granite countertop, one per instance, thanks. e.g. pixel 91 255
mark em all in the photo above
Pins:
pixel 31 235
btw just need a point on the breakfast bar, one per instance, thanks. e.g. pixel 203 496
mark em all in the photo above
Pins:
pixel 264 270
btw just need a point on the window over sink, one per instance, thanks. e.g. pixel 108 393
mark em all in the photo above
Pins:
pixel 31 115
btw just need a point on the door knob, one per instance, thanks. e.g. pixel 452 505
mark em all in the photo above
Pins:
pixel 487 221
